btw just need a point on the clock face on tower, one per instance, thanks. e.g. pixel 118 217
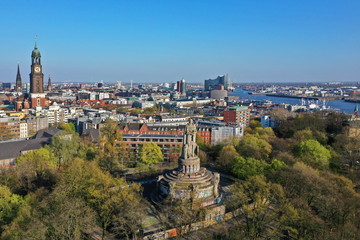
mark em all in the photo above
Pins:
pixel 37 69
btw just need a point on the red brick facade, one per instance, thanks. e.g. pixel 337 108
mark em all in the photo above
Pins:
pixel 142 128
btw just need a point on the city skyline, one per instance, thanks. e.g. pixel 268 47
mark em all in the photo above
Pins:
pixel 164 42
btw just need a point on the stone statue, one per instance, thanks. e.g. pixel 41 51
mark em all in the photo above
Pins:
pixel 190 148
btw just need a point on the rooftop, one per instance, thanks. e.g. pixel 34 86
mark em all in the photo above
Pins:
pixel 238 107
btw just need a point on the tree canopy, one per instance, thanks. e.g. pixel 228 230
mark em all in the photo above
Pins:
pixel 150 154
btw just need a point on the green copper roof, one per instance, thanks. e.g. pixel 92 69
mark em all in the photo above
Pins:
pixel 238 107
pixel 35 52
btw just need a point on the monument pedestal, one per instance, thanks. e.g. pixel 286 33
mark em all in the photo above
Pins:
pixel 190 182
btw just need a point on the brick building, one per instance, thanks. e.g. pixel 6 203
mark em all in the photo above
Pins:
pixel 9 128
pixel 142 128
pixel 237 115
pixel 168 143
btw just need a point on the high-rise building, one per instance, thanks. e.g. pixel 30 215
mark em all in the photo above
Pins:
pixel 18 87
pixel 237 115
pixel 181 86
pixel 220 80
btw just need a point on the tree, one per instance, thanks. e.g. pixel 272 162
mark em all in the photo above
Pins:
pixel 113 154
pixel 314 154
pixel 106 195
pixel 65 147
pixel 34 170
pixel 226 157
pixel 244 168
pixel 128 221
pixel 174 153
pixel 110 131
pixel 255 147
pixel 326 203
pixel 150 154
pixel 262 206
pixel 150 110
pixel 66 217
pixel 232 141
pixel 179 214
pixel 68 127
pixel 255 124
pixel 136 111
pixel 200 141
pixel 9 206
pixel 349 150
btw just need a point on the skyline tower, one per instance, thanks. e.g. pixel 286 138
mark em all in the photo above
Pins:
pixel 36 75
pixel 18 87
pixel 37 94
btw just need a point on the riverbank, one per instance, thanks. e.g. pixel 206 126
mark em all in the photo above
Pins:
pixel 352 100
pixel 306 97
pixel 339 105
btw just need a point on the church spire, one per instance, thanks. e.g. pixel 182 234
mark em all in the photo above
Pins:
pixel 18 80
pixel 356 110
pixel 49 87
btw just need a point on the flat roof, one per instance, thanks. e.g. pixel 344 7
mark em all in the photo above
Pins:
pixel 152 136
pixel 238 107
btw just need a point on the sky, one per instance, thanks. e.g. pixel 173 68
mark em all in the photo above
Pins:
pixel 167 40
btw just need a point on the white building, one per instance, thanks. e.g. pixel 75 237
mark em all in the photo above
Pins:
pixel 23 130
pixel 221 134
pixel 56 114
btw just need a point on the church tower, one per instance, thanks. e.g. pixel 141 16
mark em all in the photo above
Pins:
pixel 37 94
pixel 49 87
pixel 18 80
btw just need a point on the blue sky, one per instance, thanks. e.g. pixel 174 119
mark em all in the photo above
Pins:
pixel 163 41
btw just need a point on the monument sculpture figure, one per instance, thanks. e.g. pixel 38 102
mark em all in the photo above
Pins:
pixel 191 182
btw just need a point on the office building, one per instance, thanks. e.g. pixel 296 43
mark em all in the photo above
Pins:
pixel 237 115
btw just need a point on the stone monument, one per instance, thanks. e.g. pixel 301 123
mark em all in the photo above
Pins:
pixel 190 182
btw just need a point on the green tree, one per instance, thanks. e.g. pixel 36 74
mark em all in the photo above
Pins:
pixel 68 127
pixel 150 110
pixel 9 206
pixel 113 154
pixel 254 147
pixel 110 131
pixel 150 154
pixel 326 203
pixel 66 147
pixel 136 111
pixel 244 168
pixel 106 195
pixel 27 224
pixel 255 124
pixel 314 154
pixel 226 157
pixel 34 170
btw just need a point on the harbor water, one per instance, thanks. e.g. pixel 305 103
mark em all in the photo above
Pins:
pixel 339 105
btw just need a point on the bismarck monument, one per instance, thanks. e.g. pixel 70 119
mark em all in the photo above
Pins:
pixel 190 182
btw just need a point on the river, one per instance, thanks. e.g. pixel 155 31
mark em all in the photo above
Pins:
pixel 339 105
